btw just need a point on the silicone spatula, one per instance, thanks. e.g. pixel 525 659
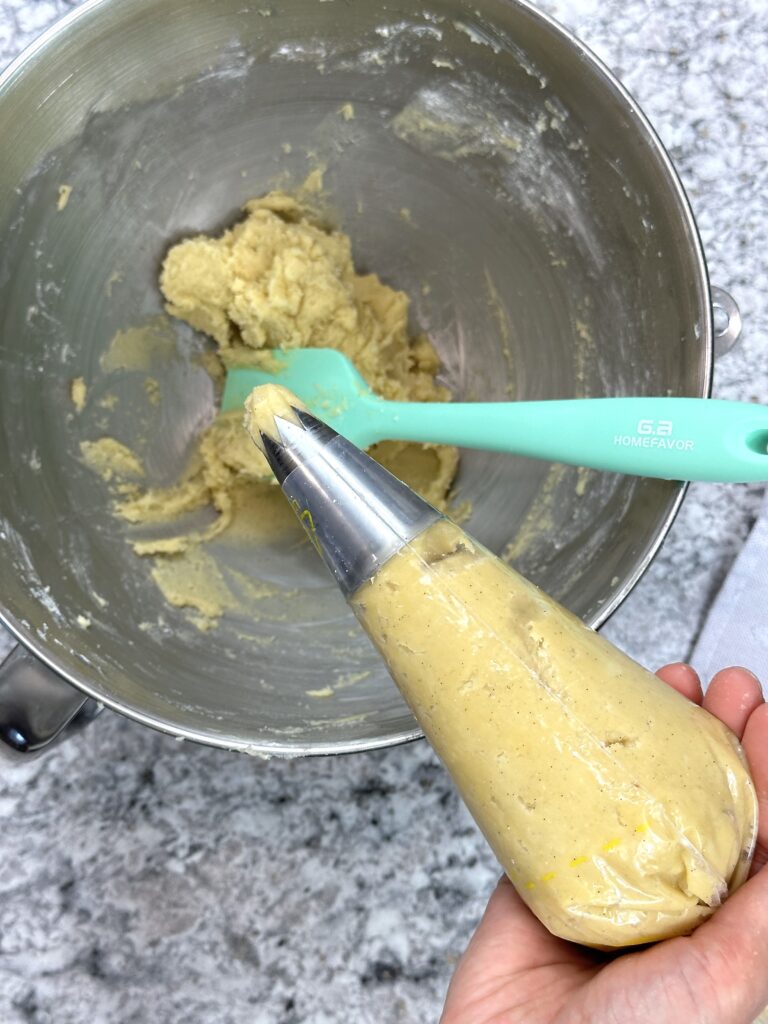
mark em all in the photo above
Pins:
pixel 670 438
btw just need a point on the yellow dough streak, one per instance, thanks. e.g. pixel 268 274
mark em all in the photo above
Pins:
pixel 111 459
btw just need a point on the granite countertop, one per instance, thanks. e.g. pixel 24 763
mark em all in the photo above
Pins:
pixel 143 879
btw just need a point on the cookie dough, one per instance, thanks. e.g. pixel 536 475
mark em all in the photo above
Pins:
pixel 622 812
pixel 280 278
pixel 113 461
pixel 266 404
pixel 78 392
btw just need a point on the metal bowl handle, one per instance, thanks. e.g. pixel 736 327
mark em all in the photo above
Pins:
pixel 37 706
pixel 727 320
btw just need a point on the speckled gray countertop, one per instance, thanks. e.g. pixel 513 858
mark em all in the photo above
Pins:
pixel 143 880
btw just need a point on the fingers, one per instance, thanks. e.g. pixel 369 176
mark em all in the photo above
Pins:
pixel 682 678
pixel 735 939
pixel 734 942
pixel 736 698
pixel 755 742
pixel 733 695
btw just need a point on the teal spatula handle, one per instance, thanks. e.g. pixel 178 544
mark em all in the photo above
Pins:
pixel 671 438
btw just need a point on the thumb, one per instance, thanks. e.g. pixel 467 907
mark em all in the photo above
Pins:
pixel 508 941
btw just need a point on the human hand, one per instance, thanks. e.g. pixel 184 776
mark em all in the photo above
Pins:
pixel 515 972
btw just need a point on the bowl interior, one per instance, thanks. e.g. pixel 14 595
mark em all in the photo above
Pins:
pixel 490 170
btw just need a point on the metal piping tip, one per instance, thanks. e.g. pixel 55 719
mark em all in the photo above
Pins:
pixel 280 462
pixel 356 514
pixel 319 428
pixel 296 441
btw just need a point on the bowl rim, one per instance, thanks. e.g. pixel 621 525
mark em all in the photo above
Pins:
pixel 264 749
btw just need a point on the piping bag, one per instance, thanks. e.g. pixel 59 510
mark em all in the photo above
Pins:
pixel 621 812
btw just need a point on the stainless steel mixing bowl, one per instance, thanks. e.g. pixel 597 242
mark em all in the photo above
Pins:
pixel 493 169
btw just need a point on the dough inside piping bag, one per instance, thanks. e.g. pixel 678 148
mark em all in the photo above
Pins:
pixel 622 812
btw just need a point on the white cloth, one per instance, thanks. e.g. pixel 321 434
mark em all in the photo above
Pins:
pixel 736 629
